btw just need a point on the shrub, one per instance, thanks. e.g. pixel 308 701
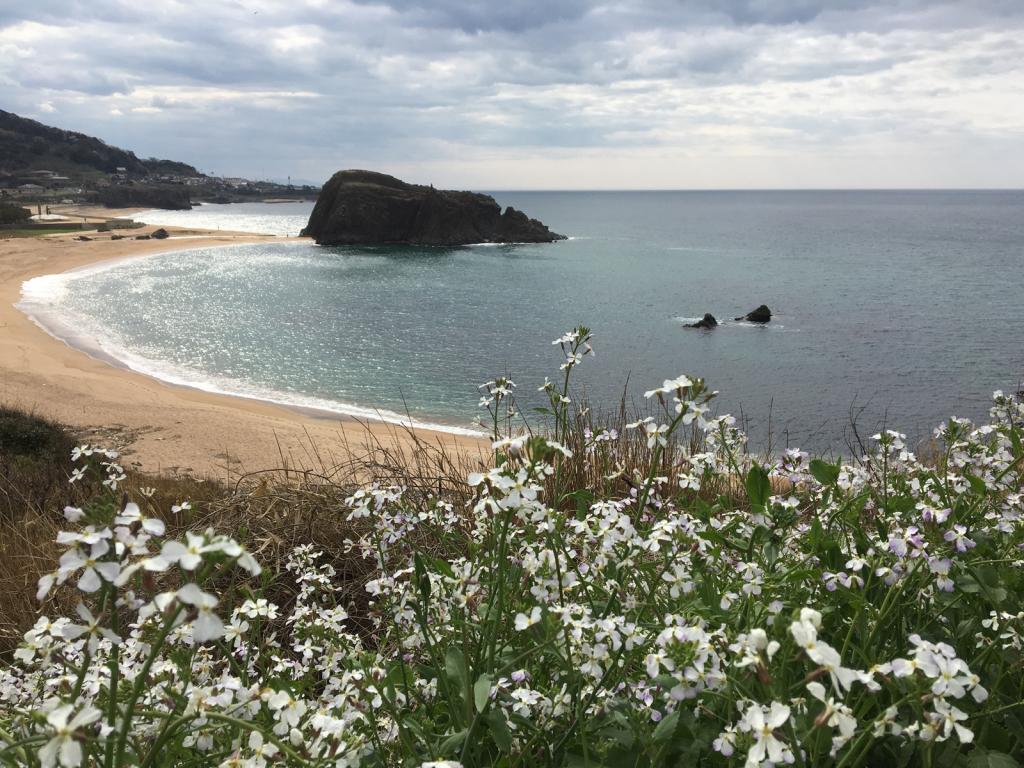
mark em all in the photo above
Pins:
pixel 701 609
pixel 33 456
pixel 11 214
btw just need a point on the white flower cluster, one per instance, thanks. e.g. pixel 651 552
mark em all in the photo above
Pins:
pixel 800 612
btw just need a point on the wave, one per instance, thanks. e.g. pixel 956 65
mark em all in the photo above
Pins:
pixel 225 218
pixel 42 300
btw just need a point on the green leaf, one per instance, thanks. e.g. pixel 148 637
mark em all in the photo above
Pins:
pixel 455 667
pixel 967 583
pixel 758 486
pixel 823 472
pixel 442 566
pixel 977 484
pixel 984 758
pixel 422 578
pixel 666 728
pixel 453 743
pixel 499 730
pixel 1018 449
pixel 482 692
pixel 583 499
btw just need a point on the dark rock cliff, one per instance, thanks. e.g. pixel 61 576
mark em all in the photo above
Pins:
pixel 364 208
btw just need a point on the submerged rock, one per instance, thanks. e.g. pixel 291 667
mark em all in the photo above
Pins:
pixel 708 321
pixel 366 208
pixel 760 315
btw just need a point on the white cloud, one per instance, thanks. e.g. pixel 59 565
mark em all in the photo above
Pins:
pixel 636 93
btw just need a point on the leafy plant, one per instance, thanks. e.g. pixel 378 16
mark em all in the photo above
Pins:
pixel 697 607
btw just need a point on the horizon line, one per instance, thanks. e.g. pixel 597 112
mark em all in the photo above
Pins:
pixel 755 189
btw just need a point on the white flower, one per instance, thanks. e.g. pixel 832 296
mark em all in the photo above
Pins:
pixel 207 625
pixel 559 447
pixel 62 747
pixel 726 741
pixel 73 514
pixel 525 622
pixel 132 515
pixel 46 582
pixel 79 451
pixel 836 714
pixel 656 434
pixel 821 653
pixel 260 750
pixel 761 722
pixel 950 718
pixel 641 422
pixel 749 647
pixel 189 555
pixel 91 628
pixel 670 386
pixel 91 565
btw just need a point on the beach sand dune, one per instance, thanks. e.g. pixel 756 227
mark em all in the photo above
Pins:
pixel 162 427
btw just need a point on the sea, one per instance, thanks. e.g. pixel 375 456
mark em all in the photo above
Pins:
pixel 893 309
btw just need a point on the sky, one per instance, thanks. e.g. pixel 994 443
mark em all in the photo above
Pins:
pixel 538 94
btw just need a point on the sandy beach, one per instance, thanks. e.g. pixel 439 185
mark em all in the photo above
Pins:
pixel 157 426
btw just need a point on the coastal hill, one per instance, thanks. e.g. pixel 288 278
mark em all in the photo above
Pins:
pixel 364 207
pixel 43 164
pixel 27 145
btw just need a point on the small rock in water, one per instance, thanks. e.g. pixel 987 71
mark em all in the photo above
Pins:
pixel 708 321
pixel 160 234
pixel 760 315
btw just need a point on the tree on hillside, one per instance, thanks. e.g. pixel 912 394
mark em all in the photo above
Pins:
pixel 13 214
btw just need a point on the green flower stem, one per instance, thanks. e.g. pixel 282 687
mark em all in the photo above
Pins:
pixel 141 680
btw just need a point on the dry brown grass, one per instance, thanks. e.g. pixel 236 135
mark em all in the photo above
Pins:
pixel 274 511
pixel 271 512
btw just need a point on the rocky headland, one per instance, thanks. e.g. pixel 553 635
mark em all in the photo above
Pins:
pixel 367 208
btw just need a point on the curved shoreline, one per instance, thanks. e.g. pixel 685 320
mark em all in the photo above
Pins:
pixel 166 426
pixel 61 326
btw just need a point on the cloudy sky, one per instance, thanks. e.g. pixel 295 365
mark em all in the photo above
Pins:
pixel 525 94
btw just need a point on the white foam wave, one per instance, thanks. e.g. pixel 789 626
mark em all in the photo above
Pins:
pixel 230 219
pixel 223 385
pixel 42 300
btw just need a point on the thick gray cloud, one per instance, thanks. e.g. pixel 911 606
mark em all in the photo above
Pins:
pixel 534 93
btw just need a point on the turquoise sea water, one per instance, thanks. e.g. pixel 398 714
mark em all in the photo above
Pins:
pixel 907 305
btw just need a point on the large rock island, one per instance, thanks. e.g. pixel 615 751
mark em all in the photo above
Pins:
pixel 366 208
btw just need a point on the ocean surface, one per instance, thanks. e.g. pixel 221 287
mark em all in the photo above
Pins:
pixel 903 308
